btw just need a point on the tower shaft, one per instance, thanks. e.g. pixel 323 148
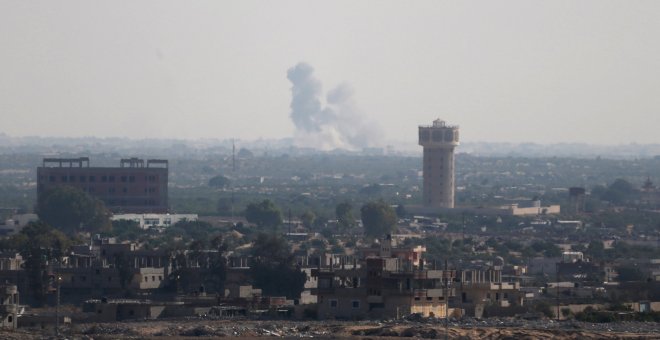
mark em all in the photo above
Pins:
pixel 439 141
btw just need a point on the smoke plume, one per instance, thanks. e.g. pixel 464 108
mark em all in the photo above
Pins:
pixel 338 124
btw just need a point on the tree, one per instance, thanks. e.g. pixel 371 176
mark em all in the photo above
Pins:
pixel 273 268
pixel 344 214
pixel 308 219
pixel 618 192
pixel 40 245
pixel 627 273
pixel 219 182
pixel 245 153
pixel 272 248
pixel 372 190
pixel 69 209
pixel 264 214
pixel 125 230
pixel 596 250
pixel 124 269
pixel 401 211
pixel 378 218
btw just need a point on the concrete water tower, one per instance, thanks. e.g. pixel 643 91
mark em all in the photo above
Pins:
pixel 439 141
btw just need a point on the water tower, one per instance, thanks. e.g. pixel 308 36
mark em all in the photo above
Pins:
pixel 439 141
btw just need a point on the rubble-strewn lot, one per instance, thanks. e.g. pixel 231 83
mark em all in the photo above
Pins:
pixel 496 328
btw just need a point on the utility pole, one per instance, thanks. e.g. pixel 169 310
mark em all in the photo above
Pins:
pixel 57 303
pixel 557 290
pixel 233 173
pixel 289 220
pixel 445 275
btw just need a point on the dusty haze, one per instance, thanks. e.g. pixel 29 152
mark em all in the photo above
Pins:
pixel 506 71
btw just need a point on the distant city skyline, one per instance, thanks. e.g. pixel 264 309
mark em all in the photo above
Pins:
pixel 511 71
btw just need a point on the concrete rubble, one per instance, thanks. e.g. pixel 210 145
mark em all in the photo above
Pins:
pixel 208 327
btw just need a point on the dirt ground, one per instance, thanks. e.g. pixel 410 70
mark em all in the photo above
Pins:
pixel 196 328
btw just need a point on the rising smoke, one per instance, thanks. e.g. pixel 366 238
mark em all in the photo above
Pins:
pixel 337 125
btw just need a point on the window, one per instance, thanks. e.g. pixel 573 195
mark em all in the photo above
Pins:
pixel 160 278
pixel 111 179
pixel 104 178
pixel 153 278
pixel 123 179
pixel 355 304
pixel 333 303
pixel 83 178
pixel 131 178
pixel 51 178
pixel 146 279
pixel 83 278
pixel 65 178
pixel 92 178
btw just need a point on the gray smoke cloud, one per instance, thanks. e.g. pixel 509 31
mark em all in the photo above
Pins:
pixel 338 124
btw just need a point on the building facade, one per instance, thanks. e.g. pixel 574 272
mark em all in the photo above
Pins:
pixel 9 306
pixel 389 282
pixel 439 141
pixel 135 186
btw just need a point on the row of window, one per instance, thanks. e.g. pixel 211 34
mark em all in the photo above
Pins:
pixel 103 178
pixel 438 136
pixel 112 190
pixel 83 278
pixel 430 298
pixel 335 304
pixel 132 202
pixel 153 278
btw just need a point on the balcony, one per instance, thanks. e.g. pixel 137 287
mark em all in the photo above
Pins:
pixel 374 299
pixel 435 292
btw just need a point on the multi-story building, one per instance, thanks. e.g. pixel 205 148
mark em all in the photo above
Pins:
pixel 134 187
pixel 385 283
pixel 482 288
pixel 439 141
pixel 106 267
pixel 9 308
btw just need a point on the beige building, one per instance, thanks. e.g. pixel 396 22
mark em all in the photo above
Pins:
pixel 389 282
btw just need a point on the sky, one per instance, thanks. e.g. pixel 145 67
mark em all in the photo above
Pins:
pixel 504 71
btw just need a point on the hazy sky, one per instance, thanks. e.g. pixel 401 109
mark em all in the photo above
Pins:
pixel 518 71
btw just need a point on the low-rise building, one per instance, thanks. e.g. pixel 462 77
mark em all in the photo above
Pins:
pixel 146 221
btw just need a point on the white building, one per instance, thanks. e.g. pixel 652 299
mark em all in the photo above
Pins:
pixel 155 220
